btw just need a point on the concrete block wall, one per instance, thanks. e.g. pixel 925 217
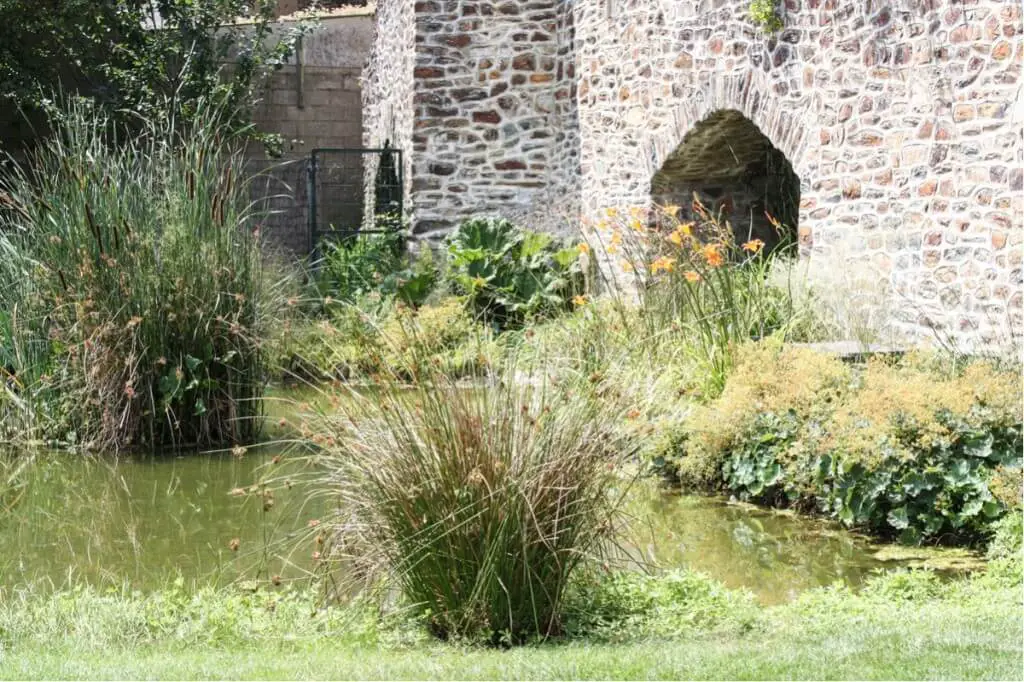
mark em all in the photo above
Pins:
pixel 313 102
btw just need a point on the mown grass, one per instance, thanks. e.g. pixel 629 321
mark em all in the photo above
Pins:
pixel 903 626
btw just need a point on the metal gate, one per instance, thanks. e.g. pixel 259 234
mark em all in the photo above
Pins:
pixel 354 191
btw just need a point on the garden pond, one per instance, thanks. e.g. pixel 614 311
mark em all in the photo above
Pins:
pixel 219 517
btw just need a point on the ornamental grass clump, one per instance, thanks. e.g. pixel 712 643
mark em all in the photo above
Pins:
pixel 477 504
pixel 133 263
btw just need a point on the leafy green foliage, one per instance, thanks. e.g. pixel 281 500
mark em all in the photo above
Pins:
pixel 358 265
pixel 620 605
pixel 765 16
pixel 1008 537
pixel 109 51
pixel 512 275
pixel 941 490
pixel 900 451
pixel 376 263
pixel 378 337
pixel 753 467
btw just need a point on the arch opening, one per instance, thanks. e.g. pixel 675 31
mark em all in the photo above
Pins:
pixel 738 175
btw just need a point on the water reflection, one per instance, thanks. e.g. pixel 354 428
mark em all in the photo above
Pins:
pixel 149 520
pixel 146 521
pixel 775 555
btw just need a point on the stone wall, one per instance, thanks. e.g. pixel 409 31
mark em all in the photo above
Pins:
pixel 739 177
pixel 313 102
pixel 494 127
pixel 388 90
pixel 895 117
pixel 902 121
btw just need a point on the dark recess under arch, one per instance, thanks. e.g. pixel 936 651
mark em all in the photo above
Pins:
pixel 738 174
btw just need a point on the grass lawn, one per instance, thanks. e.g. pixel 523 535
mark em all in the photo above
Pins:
pixel 959 651
pixel 899 630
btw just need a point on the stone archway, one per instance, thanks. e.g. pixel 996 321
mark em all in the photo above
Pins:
pixel 737 173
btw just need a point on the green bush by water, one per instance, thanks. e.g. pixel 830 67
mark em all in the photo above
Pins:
pixel 133 272
pixel 376 264
pixel 378 337
pixel 901 449
pixel 1008 537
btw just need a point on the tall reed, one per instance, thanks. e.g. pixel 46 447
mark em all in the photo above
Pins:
pixel 137 278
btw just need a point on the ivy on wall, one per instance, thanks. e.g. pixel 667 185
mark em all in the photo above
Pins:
pixel 765 16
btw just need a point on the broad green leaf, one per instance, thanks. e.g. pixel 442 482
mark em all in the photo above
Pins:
pixel 897 518
pixel 979 446
pixel 991 509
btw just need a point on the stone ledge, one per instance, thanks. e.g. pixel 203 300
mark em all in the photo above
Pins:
pixel 852 350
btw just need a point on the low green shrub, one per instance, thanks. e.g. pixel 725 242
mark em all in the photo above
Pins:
pixel 771 385
pixel 379 337
pixel 479 505
pixel 1008 537
pixel 358 264
pixel 914 452
pixel 375 263
pixel 187 616
pixel 623 605
pixel 897 449
pixel 512 275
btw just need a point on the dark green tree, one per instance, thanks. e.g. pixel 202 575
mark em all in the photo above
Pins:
pixel 388 192
pixel 152 57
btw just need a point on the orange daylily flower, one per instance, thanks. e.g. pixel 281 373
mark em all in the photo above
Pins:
pixel 712 255
pixel 663 263
pixel 691 276
pixel 579 300
pixel 753 246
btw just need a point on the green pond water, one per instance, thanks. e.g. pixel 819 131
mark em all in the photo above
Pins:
pixel 147 521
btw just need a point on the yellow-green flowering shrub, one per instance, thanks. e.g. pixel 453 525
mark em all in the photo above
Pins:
pixel 909 448
pixel 769 378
